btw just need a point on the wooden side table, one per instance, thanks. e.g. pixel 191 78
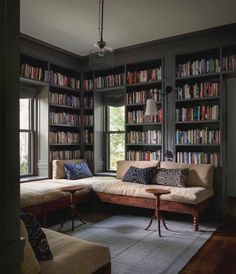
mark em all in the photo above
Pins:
pixel 157 213
pixel 74 212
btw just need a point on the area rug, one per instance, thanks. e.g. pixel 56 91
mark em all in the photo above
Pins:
pixel 137 251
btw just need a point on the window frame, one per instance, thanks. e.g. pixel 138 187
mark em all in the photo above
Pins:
pixel 108 133
pixel 31 137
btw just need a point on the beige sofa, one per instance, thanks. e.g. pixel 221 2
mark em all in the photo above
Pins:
pixel 192 199
pixel 70 255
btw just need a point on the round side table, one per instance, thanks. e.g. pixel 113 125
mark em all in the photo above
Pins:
pixel 73 210
pixel 157 213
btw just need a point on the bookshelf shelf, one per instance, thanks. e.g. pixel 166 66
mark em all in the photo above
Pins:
pixel 143 144
pixel 197 145
pixel 75 144
pixel 146 83
pixel 140 104
pixel 63 125
pixel 210 98
pixel 110 89
pixel 64 88
pixel 64 107
pixel 33 82
pixel 206 75
pixel 143 124
pixel 198 122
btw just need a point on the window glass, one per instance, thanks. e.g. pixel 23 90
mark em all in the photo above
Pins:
pixel 24 113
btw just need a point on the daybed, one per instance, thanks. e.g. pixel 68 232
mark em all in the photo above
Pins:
pixel 42 197
pixel 70 255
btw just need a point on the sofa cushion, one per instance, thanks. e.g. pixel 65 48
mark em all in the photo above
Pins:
pixel 37 237
pixel 140 175
pixel 30 264
pixel 198 175
pixel 73 255
pixel 188 195
pixel 77 171
pixel 123 166
pixel 171 177
pixel 58 171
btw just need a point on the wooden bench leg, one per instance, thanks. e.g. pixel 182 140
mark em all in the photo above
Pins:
pixel 195 222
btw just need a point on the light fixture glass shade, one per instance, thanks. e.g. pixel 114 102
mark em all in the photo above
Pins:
pixel 101 58
pixel 151 107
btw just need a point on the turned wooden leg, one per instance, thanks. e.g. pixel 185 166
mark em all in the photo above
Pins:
pixel 195 222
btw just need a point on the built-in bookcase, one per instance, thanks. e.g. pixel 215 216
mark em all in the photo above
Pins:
pixel 229 59
pixel 88 117
pixel 198 108
pixel 65 110
pixel 144 134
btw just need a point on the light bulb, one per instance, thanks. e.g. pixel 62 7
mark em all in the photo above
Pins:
pixel 101 52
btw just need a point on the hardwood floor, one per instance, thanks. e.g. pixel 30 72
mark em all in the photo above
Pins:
pixel 218 254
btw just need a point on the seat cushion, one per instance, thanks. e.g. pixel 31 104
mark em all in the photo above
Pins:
pixel 73 255
pixel 30 264
pixel 123 166
pixel 188 195
pixel 198 174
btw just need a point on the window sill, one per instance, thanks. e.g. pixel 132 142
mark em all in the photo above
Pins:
pixel 32 178
pixel 112 174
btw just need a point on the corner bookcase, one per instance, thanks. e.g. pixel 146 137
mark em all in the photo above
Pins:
pixel 144 134
pixel 198 108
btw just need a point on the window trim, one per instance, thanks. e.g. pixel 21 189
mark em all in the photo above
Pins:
pixel 32 137
pixel 108 132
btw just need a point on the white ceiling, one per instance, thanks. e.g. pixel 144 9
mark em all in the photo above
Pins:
pixel 72 24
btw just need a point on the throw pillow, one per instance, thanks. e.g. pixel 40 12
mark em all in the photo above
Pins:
pixel 77 171
pixel 30 264
pixel 139 175
pixel 171 177
pixel 37 238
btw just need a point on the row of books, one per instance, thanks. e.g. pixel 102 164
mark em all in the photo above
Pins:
pixel 198 90
pixel 229 63
pixel 199 158
pixel 64 154
pixel 64 118
pixel 62 137
pixel 198 113
pixel 198 136
pixel 141 96
pixel 88 136
pixel 139 117
pixel 87 120
pixel 64 99
pixel 88 102
pixel 139 155
pixel 198 67
pixel 109 81
pixel 88 84
pixel 33 72
pixel 144 75
pixel 144 137
pixel 88 155
pixel 57 78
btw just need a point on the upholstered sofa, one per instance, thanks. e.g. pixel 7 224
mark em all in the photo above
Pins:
pixel 44 196
pixel 70 255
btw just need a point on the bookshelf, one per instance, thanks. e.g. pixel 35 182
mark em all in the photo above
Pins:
pixel 144 134
pixel 198 108
pixel 229 59
pixel 65 123
pixel 88 117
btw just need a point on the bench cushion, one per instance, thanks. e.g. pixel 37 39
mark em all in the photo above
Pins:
pixel 198 175
pixel 188 195
pixel 73 255
pixel 58 171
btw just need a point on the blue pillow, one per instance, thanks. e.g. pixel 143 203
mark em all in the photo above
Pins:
pixel 37 237
pixel 77 171
pixel 140 175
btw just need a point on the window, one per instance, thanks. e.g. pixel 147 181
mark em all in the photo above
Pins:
pixel 115 136
pixel 27 136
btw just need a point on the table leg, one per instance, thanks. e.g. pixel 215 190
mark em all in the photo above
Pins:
pixel 150 223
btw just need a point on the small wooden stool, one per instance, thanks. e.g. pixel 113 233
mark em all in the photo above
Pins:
pixel 157 213
pixel 73 209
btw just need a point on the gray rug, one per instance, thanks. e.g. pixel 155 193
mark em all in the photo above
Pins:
pixel 134 250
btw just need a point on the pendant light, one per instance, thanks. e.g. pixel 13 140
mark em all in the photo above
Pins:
pixel 101 56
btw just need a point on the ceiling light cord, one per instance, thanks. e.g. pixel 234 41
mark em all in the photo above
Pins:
pixel 100 16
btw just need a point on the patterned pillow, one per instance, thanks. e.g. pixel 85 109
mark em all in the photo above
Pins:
pixel 139 175
pixel 77 171
pixel 36 237
pixel 171 177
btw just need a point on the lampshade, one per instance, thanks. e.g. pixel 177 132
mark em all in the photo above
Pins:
pixel 101 57
pixel 151 107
